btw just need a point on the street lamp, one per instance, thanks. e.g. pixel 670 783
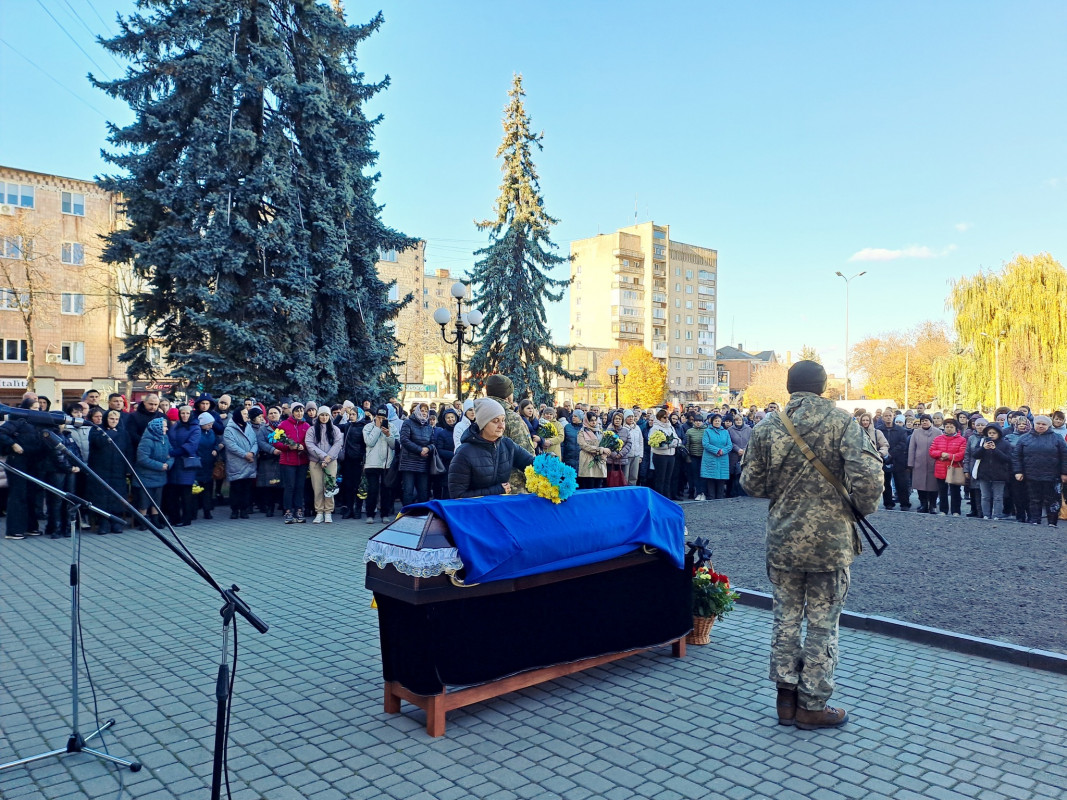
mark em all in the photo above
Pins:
pixel 466 322
pixel 996 361
pixel 617 376
pixel 847 282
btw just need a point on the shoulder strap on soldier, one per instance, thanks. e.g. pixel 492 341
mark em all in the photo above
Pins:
pixel 810 455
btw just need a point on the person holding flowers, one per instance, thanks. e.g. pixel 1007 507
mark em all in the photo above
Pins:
pixel 550 432
pixel 323 442
pixel 268 465
pixel 592 468
pixel 619 457
pixel 662 440
pixel 289 439
pixel 484 464
pixel 715 462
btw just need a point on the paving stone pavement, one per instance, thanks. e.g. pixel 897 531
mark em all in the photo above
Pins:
pixel 308 720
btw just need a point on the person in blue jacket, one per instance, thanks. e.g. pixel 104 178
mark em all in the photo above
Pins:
pixel 184 436
pixel 152 465
pixel 715 463
pixel 208 451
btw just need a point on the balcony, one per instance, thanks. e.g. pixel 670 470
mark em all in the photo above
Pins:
pixel 624 252
pixel 659 350
pixel 633 287
pixel 630 336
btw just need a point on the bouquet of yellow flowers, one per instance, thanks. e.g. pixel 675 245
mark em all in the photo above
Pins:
pixel 278 437
pixel 197 488
pixel 660 439
pixel 549 429
pixel 550 478
pixel 612 442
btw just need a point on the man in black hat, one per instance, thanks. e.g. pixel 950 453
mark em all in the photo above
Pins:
pixel 811 537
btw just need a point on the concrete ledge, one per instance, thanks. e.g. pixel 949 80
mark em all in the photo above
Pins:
pixel 947 640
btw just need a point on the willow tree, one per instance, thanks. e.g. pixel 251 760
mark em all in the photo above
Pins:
pixel 1019 310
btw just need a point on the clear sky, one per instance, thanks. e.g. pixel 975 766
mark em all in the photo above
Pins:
pixel 917 141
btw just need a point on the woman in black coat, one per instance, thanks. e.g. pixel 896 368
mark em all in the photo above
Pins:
pixel 444 442
pixel 482 465
pixel 993 457
pixel 106 460
pixel 416 436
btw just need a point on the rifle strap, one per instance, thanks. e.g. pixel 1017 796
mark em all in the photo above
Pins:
pixel 814 459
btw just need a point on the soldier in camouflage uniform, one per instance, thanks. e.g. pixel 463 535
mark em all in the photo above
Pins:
pixel 811 538
pixel 501 389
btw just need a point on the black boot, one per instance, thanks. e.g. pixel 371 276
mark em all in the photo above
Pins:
pixel 234 514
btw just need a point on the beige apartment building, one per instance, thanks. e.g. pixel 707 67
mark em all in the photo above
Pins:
pixel 52 280
pixel 637 286
pixel 428 365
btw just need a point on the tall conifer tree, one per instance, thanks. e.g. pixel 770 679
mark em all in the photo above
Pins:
pixel 510 281
pixel 249 191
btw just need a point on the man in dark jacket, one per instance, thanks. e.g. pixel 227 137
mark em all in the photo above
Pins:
pixel 1040 459
pixel 485 462
pixel 137 420
pixel 896 466
pixel 25 448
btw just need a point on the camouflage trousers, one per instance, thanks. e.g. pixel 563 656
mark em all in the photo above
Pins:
pixel 817 598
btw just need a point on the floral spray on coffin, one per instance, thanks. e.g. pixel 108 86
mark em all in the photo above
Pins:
pixel 712 596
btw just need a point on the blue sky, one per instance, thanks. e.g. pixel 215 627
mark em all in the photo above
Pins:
pixel 917 141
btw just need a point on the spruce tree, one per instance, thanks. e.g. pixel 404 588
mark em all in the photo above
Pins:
pixel 249 197
pixel 510 281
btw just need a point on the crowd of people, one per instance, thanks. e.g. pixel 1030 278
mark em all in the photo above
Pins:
pixel 184 456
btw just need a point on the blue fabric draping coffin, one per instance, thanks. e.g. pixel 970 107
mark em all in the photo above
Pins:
pixel 505 537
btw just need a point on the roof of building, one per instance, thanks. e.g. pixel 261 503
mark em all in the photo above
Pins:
pixel 733 354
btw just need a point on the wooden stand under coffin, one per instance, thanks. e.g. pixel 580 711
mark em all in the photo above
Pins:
pixel 446 645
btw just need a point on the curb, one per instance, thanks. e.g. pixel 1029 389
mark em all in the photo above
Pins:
pixel 947 640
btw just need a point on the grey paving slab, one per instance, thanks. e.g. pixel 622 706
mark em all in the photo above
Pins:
pixel 308 722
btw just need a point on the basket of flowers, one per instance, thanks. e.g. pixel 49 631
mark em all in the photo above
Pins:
pixel 712 596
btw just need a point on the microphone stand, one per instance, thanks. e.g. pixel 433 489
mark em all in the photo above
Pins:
pixel 232 605
pixel 76 742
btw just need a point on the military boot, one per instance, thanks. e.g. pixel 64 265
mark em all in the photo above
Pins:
pixel 787 704
pixel 823 718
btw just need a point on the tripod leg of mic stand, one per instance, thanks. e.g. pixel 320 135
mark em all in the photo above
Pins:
pixel 222 696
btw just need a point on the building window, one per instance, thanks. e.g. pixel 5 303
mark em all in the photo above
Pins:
pixel 678 272
pixel 12 248
pixel 578 269
pixel 688 364
pixel 689 288
pixel 677 349
pixel 394 293
pixel 387 255
pixel 677 334
pixel 706 276
pixel 72 253
pixel 17 194
pixel 155 355
pixel 577 317
pixel 659 234
pixel 678 288
pixel 578 334
pixel 72 303
pixel 689 304
pixel 677 318
pixel 688 319
pixel 440 292
pixel 12 301
pixel 425 303
pixel 15 350
pixel 74 203
pixel 577 301
pixel 659 251
pixel 689 274
pixel 72 353
pixel 688 334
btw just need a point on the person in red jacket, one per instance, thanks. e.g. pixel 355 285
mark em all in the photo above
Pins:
pixel 293 463
pixel 948 450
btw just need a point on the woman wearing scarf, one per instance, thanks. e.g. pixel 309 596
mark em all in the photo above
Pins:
pixel 715 461
pixel 637 447
pixel 152 465
pixel 241 447
pixel 268 465
pixel 921 467
pixel 445 444
pixel 106 460
pixel 663 456
pixel 740 435
pixel 618 463
pixel 184 436
pixel 416 439
pixel 551 445
pixel 591 474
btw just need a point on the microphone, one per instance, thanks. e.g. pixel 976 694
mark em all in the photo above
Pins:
pixel 42 419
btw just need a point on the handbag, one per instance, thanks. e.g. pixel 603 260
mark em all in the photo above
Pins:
pixel 616 476
pixel 191 462
pixel 955 476
pixel 683 451
pixel 437 464
pixel 1063 507
pixel 866 527
pixel 218 472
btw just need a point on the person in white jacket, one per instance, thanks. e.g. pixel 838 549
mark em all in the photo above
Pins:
pixel 464 423
pixel 663 456
pixel 637 447
pixel 380 437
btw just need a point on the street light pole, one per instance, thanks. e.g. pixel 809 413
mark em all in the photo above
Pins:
pixel 617 376
pixel 463 332
pixel 847 282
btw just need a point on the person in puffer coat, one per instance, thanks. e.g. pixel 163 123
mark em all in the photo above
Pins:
pixel 948 450
pixel 1040 459
pixel 209 455
pixel 184 437
pixel 896 466
pixel 993 457
pixel 240 447
pixel 740 435
pixel 153 463
pixel 445 443
pixel 416 439
pixel 715 461
pixel 109 463
pixel 482 466
pixel 570 451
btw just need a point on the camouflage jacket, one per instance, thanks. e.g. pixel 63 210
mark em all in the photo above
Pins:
pixel 809 527
pixel 516 430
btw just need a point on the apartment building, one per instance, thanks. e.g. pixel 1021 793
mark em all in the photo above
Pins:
pixel 58 303
pixel 428 362
pixel 637 286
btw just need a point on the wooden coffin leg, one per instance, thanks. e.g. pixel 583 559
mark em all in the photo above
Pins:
pixel 678 648
pixel 435 714
pixel 392 700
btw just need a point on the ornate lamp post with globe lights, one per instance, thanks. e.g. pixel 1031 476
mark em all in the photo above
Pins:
pixel 617 376
pixel 466 322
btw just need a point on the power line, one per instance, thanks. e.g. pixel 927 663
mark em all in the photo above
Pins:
pixel 92 33
pixel 48 75
pixel 93 7
pixel 75 41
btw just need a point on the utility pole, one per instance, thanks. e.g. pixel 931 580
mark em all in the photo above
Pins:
pixel 847 282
